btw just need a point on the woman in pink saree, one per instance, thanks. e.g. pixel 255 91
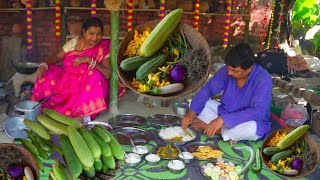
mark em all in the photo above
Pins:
pixel 81 84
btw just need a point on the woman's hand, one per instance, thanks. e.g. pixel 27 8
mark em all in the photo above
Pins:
pixel 188 120
pixel 40 71
pixel 82 60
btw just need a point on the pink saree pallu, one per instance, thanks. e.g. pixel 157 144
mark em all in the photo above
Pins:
pixel 80 91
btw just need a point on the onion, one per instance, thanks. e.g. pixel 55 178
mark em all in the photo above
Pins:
pixel 296 164
pixel 15 171
pixel 177 73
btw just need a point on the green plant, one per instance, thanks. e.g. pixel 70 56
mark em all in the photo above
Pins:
pixel 305 15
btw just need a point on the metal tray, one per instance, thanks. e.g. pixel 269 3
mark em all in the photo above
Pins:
pixel 138 136
pixel 164 120
pixel 91 124
pixel 193 146
pixel 127 120
pixel 179 143
pixel 157 147
pixel 14 127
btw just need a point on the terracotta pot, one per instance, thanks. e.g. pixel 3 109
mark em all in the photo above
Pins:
pixel 106 30
pixel 185 5
pixel 74 28
pixel 34 3
pixel 17 28
pixel 3 4
pixel 170 4
pixel 75 3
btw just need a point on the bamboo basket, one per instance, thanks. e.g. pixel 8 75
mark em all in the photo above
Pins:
pixel 26 160
pixel 312 145
pixel 196 41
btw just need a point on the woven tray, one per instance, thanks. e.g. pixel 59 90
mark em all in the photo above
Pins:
pixel 312 145
pixel 196 41
pixel 26 157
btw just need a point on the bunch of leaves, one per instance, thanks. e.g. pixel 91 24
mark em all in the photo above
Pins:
pixel 195 61
pixel 177 46
pixel 305 13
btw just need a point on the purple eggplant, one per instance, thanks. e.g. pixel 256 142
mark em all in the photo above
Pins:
pixel 15 171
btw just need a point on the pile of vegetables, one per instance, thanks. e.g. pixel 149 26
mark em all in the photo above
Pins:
pixel 285 151
pixel 222 170
pixel 87 153
pixel 16 172
pixel 155 58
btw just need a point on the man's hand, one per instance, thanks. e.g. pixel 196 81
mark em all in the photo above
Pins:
pixel 214 126
pixel 40 71
pixel 187 120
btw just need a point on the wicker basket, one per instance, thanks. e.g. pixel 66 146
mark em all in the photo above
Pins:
pixel 312 145
pixel 196 41
pixel 26 160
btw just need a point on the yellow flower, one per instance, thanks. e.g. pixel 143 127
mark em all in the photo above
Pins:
pixel 143 87
pixel 272 166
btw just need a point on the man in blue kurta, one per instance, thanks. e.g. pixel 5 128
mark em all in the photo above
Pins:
pixel 243 113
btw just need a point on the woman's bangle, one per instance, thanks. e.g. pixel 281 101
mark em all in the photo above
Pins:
pixel 44 65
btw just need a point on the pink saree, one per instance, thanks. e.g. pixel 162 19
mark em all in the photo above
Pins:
pixel 80 91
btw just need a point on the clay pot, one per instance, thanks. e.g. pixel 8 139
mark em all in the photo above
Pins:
pixel 74 28
pixel 3 4
pixel 106 30
pixel 170 4
pixel 34 3
pixel 17 28
pixel 185 5
pixel 75 3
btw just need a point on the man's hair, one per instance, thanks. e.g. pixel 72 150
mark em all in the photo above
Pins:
pixel 92 22
pixel 240 55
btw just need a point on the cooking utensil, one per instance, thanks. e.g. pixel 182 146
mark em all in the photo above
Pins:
pixel 14 127
pixel 26 108
pixel 91 124
pixel 170 155
pixel 164 120
pixel 133 144
pixel 25 67
pixel 127 120
pixel 138 136
pixel 44 100
pixel 179 150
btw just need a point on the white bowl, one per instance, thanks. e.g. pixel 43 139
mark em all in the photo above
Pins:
pixel 133 160
pixel 152 159
pixel 141 150
pixel 186 157
pixel 176 166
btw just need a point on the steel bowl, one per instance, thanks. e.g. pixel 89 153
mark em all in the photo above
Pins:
pixel 187 157
pixel 129 161
pixel 26 107
pixel 177 170
pixel 141 150
pixel 152 159
pixel 181 108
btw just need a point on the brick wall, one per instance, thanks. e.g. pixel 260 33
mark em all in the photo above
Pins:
pixel 211 27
